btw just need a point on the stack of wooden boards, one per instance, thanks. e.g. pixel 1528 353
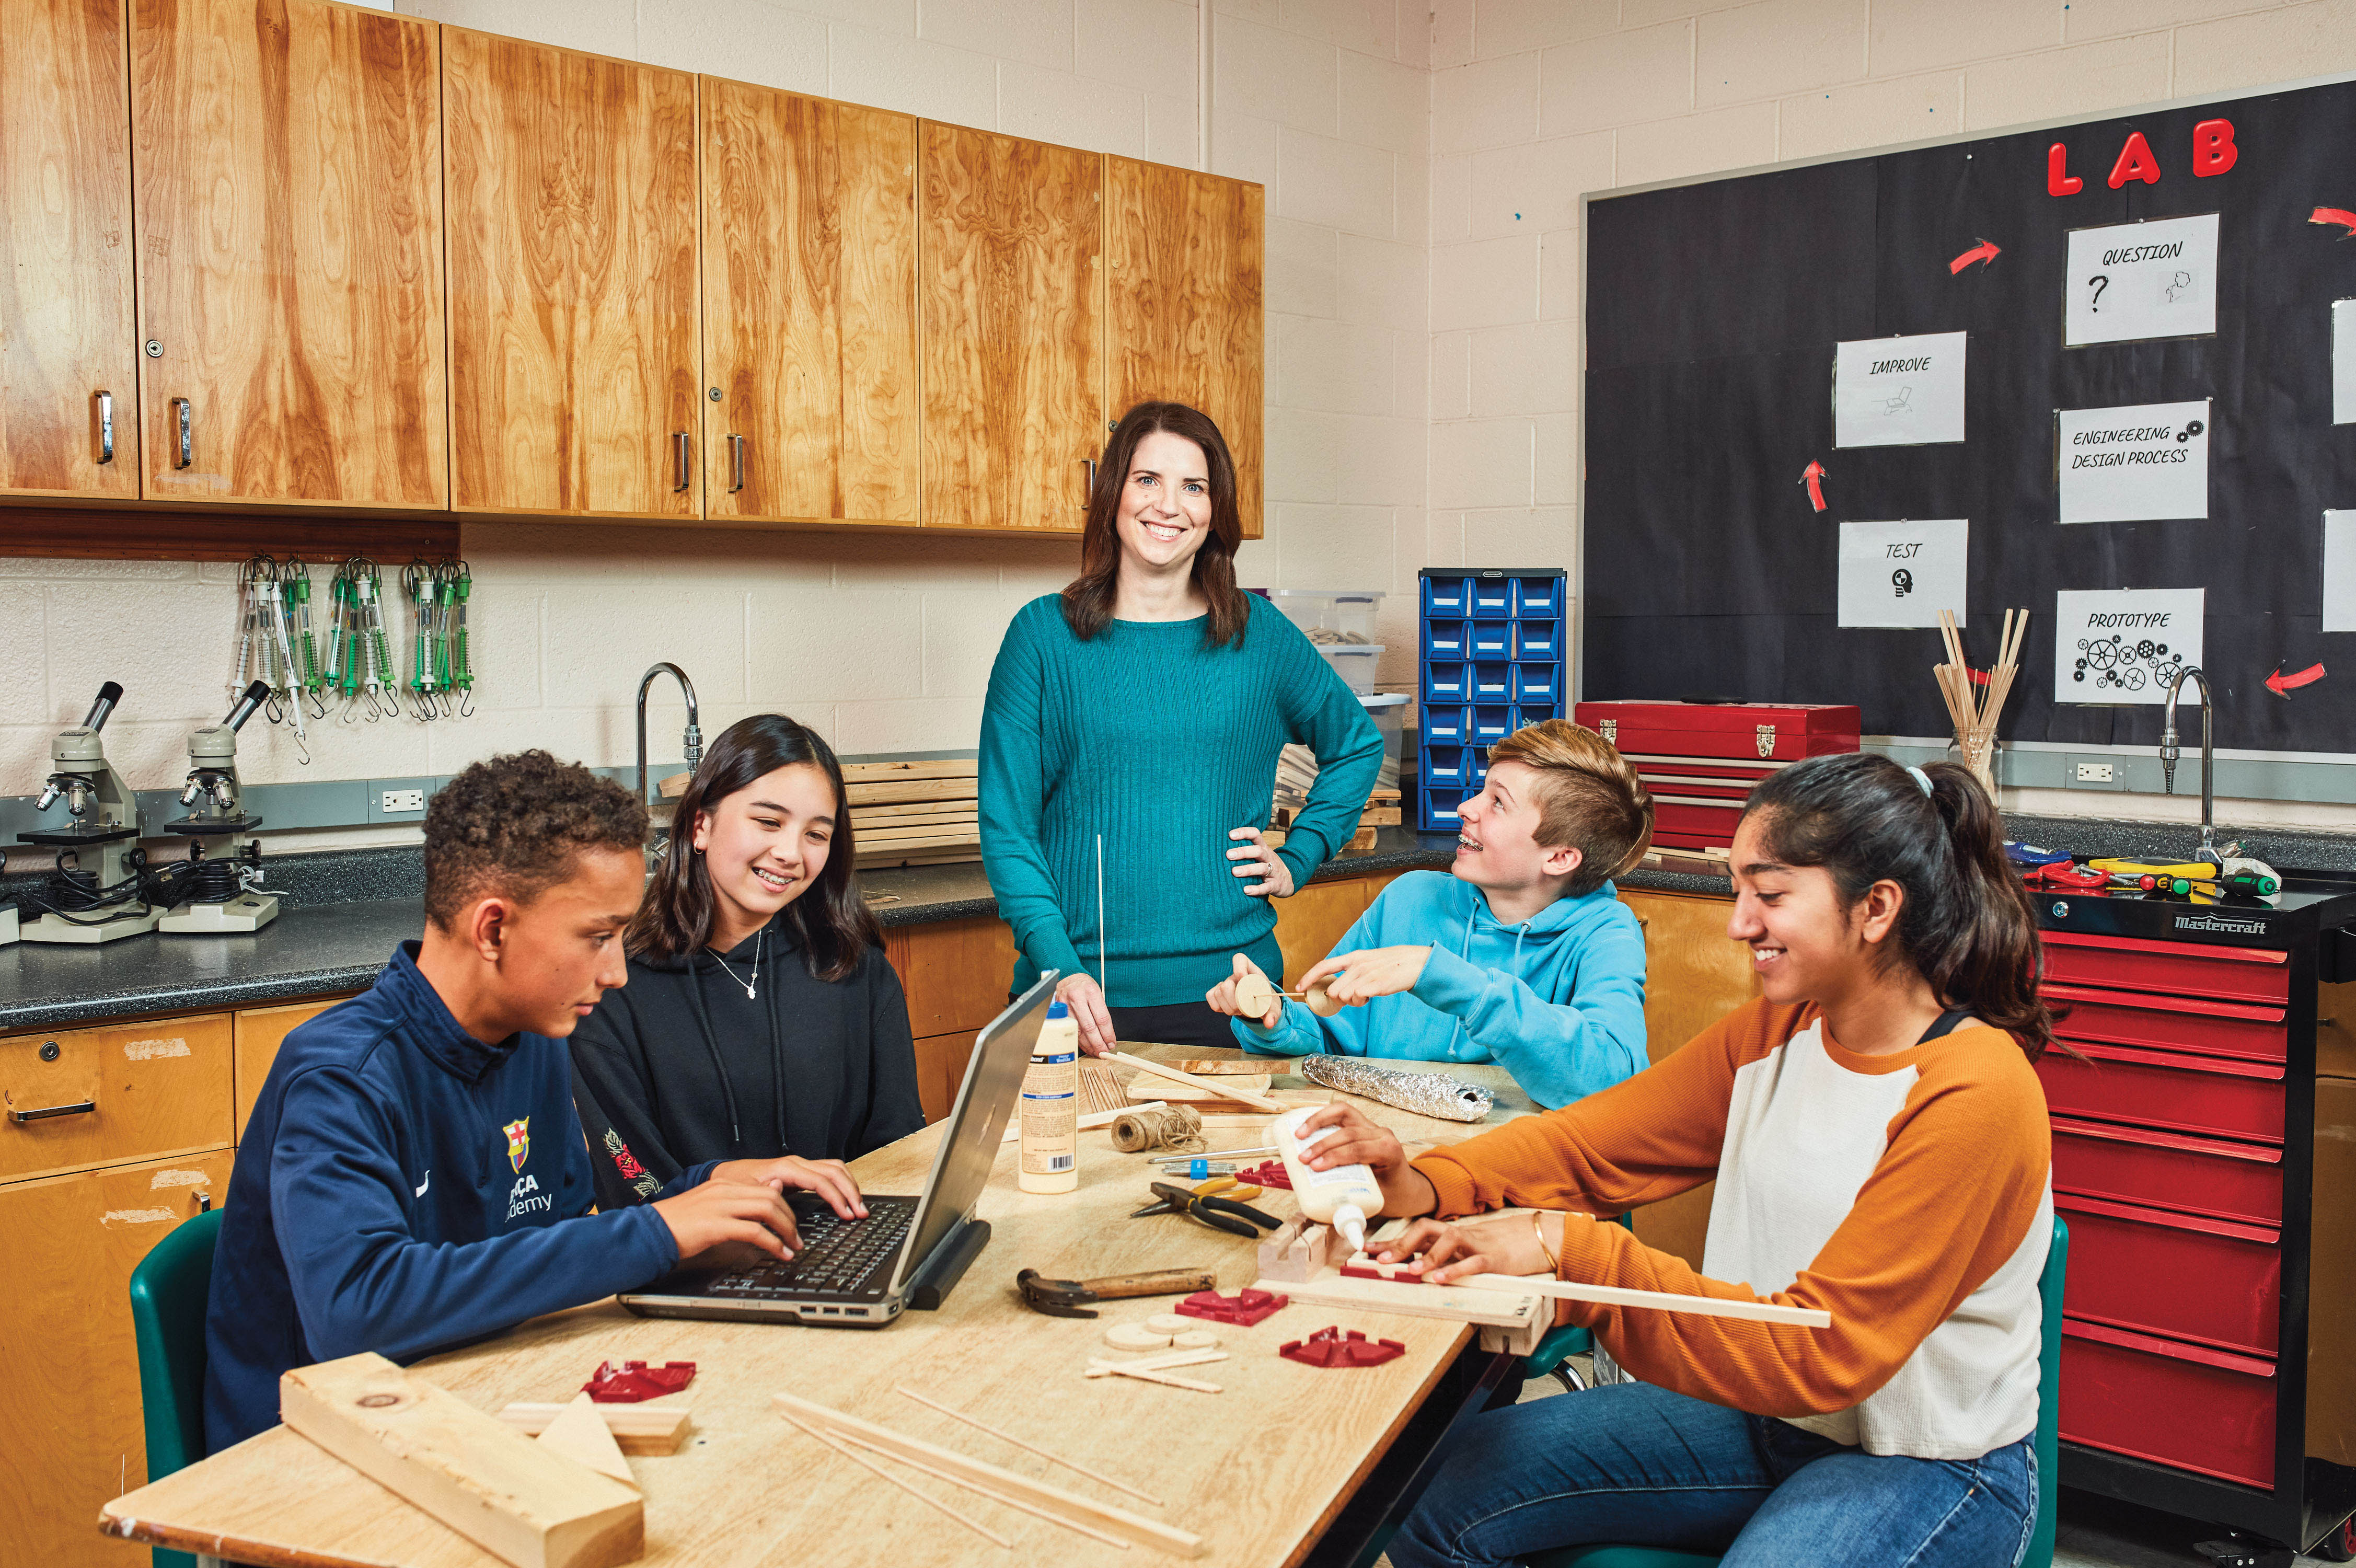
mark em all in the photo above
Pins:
pixel 913 813
pixel 1381 810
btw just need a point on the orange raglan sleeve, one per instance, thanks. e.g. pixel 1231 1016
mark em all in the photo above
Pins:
pixel 1645 1138
pixel 1948 1203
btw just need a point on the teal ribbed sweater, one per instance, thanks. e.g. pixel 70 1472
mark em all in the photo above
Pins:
pixel 1161 744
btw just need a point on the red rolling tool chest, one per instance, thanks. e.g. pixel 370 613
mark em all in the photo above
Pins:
pixel 1700 759
pixel 2183 1164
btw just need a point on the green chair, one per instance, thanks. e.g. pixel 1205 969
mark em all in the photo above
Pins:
pixel 2040 1541
pixel 169 1290
pixel 1560 1344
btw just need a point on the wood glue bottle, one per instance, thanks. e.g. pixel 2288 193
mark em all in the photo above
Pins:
pixel 1342 1197
pixel 1051 1102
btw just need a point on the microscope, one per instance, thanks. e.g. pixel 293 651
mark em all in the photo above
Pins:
pixel 218 896
pixel 81 905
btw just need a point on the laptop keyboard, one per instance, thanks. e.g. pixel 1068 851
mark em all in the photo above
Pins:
pixel 839 1257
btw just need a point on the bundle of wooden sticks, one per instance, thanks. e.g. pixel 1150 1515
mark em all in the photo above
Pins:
pixel 1973 699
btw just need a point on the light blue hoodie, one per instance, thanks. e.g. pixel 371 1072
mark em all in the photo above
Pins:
pixel 1558 1001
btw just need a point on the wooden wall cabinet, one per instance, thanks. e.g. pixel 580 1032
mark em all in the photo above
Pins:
pixel 289 210
pixel 809 308
pixel 1183 313
pixel 576 376
pixel 68 368
pixel 1011 241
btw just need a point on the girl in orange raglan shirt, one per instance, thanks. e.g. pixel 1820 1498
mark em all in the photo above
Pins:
pixel 1880 1143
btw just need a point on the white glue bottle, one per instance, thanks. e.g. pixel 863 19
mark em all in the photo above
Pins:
pixel 1050 1108
pixel 1342 1197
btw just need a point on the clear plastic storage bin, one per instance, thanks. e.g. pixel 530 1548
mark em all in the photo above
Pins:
pixel 1354 662
pixel 1332 615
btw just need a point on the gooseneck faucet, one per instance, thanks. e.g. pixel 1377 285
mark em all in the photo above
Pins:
pixel 691 742
pixel 2168 755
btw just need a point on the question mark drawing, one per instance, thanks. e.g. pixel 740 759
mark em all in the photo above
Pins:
pixel 1903 580
pixel 2098 283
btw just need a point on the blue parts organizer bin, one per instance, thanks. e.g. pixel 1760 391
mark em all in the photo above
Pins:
pixel 1491 661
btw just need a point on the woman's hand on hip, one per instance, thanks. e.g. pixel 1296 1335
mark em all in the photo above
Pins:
pixel 1222 997
pixel 1085 998
pixel 1255 858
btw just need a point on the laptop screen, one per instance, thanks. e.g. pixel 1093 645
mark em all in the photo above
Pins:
pixel 969 1143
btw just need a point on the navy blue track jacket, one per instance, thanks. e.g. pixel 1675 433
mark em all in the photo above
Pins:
pixel 403 1187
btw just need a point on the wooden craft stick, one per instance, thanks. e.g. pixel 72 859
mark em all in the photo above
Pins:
pixel 1030 1448
pixel 992 1494
pixel 638 1428
pixel 524 1504
pixel 1141 1375
pixel 1133 1527
pixel 1100 1366
pixel 917 1492
pixel 1654 1300
pixel 1214 1089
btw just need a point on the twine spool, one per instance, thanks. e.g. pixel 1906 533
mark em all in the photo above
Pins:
pixel 1176 1127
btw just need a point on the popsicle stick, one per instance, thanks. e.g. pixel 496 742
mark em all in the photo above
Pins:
pixel 1214 1089
pixel 921 1496
pixel 1100 1366
pixel 1031 1448
pixel 992 1494
pixel 1145 1376
pixel 1658 1301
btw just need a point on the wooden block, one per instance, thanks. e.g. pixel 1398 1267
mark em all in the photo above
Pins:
pixel 879 772
pixel 1295 1252
pixel 1194 1339
pixel 525 1504
pixel 637 1428
pixel 918 810
pixel 922 835
pixel 579 1434
pixel 1379 817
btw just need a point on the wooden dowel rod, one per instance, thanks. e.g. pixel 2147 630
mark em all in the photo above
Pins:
pixel 917 1492
pixel 1145 1376
pixel 1658 1301
pixel 1031 1448
pixel 994 1495
pixel 1163 1363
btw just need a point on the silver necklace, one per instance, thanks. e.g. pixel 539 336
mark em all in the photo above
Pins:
pixel 748 984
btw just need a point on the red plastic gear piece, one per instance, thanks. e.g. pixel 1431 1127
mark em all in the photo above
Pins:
pixel 1332 1347
pixel 1267 1173
pixel 635 1380
pixel 1242 1309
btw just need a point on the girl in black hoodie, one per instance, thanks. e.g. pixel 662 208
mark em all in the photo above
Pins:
pixel 761 1019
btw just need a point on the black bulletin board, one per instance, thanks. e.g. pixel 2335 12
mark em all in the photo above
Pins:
pixel 1712 313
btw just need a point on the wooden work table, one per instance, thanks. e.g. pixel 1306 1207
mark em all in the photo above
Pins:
pixel 1258 1470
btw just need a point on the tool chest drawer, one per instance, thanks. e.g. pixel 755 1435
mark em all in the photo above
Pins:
pixel 2171 1170
pixel 2221 1096
pixel 2188 1276
pixel 2133 963
pixel 2204 1409
pixel 71 1099
pixel 2170 1023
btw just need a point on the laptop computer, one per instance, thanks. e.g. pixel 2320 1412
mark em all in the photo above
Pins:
pixel 909 1252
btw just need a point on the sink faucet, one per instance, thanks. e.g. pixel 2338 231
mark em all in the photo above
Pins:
pixel 2168 755
pixel 692 740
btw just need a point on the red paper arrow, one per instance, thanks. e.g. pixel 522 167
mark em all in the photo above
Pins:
pixel 2335 215
pixel 1985 251
pixel 2283 685
pixel 1813 475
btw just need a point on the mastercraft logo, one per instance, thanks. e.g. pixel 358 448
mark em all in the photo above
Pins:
pixel 2220 923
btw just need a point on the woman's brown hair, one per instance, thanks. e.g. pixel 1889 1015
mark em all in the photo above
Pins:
pixel 1088 598
pixel 833 923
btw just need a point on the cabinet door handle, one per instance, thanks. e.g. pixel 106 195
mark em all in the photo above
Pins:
pixel 1090 465
pixel 735 463
pixel 204 1201
pixel 186 417
pixel 45 1112
pixel 106 427
pixel 679 460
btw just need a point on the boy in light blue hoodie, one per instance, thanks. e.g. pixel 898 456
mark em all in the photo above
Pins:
pixel 1524 956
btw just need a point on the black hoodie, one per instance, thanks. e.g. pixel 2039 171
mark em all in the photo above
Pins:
pixel 679 1067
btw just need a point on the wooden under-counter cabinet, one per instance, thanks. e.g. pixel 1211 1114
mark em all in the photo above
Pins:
pixel 809 308
pixel 68 367
pixel 576 372
pixel 289 212
pixel 1012 236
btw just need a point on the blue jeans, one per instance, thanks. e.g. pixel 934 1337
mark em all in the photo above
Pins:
pixel 1632 1464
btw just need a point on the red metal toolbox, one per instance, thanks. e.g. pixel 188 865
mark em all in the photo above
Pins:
pixel 2142 1165
pixel 1700 759
pixel 2188 1405
pixel 2133 963
pixel 2186 1275
pixel 2170 1023
pixel 2218 1095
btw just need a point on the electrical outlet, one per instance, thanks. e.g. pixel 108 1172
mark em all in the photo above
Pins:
pixel 2088 773
pixel 414 799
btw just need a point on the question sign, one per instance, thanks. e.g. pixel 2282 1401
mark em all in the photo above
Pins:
pixel 2131 281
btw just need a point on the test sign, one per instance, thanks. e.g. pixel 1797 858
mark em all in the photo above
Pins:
pixel 2146 463
pixel 1903 573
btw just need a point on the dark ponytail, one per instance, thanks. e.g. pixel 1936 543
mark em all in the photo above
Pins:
pixel 1967 921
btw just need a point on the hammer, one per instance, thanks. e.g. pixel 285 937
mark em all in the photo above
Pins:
pixel 1063 1298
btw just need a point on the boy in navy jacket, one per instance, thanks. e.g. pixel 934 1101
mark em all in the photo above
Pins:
pixel 413 1176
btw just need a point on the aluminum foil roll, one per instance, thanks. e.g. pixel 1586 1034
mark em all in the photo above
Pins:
pixel 1425 1093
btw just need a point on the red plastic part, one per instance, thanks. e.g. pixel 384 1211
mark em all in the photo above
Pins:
pixel 1242 1309
pixel 1403 1276
pixel 2215 1095
pixel 2180 1274
pixel 2142 1165
pixel 2207 1411
pixel 1267 1173
pixel 1332 1347
pixel 635 1380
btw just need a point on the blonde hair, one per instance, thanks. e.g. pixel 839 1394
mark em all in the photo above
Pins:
pixel 1588 797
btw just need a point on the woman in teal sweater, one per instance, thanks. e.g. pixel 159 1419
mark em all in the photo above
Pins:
pixel 1144 707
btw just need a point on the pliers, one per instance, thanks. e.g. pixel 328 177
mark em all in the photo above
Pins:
pixel 1219 1213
